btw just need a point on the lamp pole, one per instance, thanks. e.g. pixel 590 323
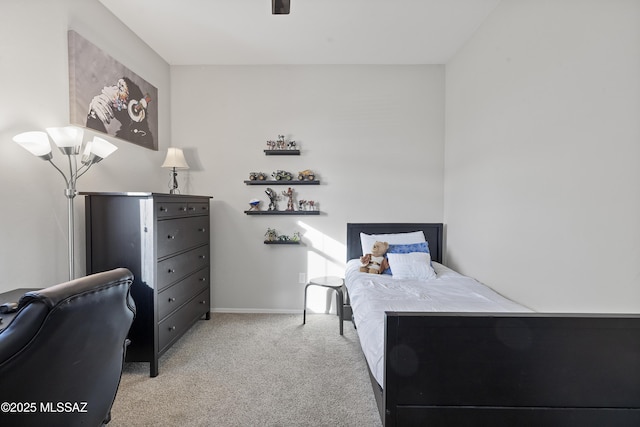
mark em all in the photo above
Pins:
pixel 71 193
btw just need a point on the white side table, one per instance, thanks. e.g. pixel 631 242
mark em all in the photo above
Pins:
pixel 331 282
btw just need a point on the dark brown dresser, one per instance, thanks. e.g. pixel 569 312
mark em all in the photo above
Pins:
pixel 164 240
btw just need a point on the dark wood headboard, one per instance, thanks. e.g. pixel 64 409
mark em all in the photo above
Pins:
pixel 432 232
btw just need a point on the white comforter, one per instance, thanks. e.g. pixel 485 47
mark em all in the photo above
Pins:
pixel 373 294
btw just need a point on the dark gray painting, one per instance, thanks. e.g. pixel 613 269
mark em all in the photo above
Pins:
pixel 108 97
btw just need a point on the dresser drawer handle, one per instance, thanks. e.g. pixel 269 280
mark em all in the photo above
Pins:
pixel 202 230
pixel 192 209
pixel 203 279
pixel 172 299
pixel 163 209
pixel 203 302
pixel 202 256
pixel 170 237
pixel 171 270
pixel 183 209
pixel 172 328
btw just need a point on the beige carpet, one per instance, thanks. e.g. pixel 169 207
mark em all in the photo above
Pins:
pixel 253 370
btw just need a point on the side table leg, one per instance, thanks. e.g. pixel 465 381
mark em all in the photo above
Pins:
pixel 304 311
pixel 339 308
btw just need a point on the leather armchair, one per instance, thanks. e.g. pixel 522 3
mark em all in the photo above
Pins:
pixel 61 357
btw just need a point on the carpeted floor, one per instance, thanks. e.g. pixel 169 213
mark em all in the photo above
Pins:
pixel 253 370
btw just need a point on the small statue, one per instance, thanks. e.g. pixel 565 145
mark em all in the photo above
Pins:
pixel 302 205
pixel 306 174
pixel 281 175
pixel 289 194
pixel 283 238
pixel 254 204
pixel 270 235
pixel 280 142
pixel 296 236
pixel 260 176
pixel 312 205
pixel 271 145
pixel 291 145
pixel 273 199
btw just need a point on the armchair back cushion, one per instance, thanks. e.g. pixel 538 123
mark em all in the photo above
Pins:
pixel 61 357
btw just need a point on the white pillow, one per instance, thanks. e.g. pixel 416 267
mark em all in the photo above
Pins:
pixel 367 240
pixel 414 265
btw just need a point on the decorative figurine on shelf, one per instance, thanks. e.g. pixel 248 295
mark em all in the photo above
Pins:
pixel 254 204
pixel 313 206
pixel 296 237
pixel 283 238
pixel 273 199
pixel 270 235
pixel 306 175
pixel 281 175
pixel 260 176
pixel 289 195
pixel 281 144
pixel 302 205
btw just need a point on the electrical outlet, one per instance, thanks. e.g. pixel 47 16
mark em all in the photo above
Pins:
pixel 302 278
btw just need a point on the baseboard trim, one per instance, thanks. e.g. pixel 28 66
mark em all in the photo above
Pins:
pixel 254 311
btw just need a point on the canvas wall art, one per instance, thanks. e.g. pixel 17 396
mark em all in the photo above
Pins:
pixel 108 97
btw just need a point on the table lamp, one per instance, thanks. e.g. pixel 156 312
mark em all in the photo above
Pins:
pixel 174 160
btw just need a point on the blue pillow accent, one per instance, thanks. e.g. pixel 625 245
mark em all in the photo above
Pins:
pixel 406 249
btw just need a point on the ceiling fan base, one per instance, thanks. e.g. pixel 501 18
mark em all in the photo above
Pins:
pixel 280 7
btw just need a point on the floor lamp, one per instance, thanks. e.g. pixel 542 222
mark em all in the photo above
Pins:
pixel 69 141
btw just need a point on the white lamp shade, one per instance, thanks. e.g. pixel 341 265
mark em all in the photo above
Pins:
pixel 36 142
pixel 66 137
pixel 175 159
pixel 96 150
pixel 102 148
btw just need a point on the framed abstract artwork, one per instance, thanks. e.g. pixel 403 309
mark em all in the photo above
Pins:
pixel 108 97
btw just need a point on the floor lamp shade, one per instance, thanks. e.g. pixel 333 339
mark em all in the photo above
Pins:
pixel 68 139
pixel 35 142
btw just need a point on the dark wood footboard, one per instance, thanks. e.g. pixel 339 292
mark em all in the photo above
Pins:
pixel 520 369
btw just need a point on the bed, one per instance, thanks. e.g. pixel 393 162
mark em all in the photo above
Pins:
pixel 467 356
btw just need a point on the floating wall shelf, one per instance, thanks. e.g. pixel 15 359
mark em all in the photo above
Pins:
pixel 282 212
pixel 282 152
pixel 281 182
pixel 277 242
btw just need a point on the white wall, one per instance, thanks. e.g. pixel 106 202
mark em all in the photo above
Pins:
pixel 542 181
pixel 373 134
pixel 35 95
pixel 540 196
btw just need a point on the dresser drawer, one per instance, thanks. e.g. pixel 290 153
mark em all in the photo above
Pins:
pixel 198 208
pixel 175 235
pixel 176 295
pixel 173 326
pixel 169 209
pixel 175 268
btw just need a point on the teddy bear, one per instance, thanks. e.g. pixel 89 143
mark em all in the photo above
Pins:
pixel 375 262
